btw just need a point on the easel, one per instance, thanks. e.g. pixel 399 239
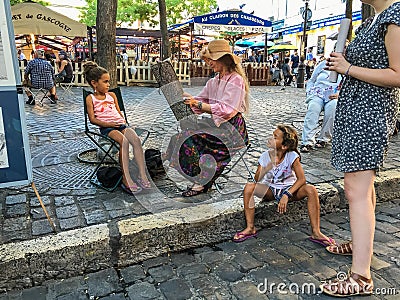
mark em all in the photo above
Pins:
pixel 43 207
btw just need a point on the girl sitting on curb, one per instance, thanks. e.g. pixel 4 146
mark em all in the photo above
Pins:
pixel 280 177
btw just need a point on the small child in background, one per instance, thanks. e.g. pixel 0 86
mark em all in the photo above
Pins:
pixel 280 177
pixel 103 111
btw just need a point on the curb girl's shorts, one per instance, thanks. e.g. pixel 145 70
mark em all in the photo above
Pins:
pixel 278 193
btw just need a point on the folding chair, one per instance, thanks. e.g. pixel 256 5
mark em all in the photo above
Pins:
pixel 40 94
pixel 66 86
pixel 95 135
pixel 221 182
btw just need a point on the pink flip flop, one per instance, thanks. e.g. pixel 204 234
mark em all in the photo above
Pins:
pixel 145 184
pixel 243 236
pixel 323 242
pixel 131 190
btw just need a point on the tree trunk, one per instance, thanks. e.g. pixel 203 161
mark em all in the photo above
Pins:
pixel 105 35
pixel 367 11
pixel 165 45
pixel 349 15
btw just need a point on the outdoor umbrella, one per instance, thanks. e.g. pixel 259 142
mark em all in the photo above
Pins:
pixel 261 44
pixel 281 48
pixel 243 43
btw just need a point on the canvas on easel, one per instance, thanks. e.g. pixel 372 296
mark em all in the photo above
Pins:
pixel 172 90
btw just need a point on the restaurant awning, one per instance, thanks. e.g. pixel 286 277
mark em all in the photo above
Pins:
pixel 34 18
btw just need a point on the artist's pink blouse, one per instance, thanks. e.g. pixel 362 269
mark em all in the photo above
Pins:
pixel 225 95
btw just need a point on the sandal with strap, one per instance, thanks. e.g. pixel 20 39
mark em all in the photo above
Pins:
pixel 342 249
pixel 145 184
pixel 320 144
pixel 305 148
pixel 351 285
pixel 190 192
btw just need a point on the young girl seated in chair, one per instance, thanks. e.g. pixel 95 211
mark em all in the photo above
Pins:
pixel 103 110
pixel 280 177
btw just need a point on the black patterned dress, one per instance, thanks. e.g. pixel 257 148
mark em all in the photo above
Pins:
pixel 366 113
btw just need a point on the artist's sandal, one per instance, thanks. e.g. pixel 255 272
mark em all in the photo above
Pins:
pixel 342 249
pixel 351 285
pixel 190 192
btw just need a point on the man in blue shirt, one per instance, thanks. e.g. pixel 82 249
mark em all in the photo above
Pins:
pixel 295 59
pixel 41 75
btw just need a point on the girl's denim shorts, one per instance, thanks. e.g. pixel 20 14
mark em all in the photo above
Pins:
pixel 107 130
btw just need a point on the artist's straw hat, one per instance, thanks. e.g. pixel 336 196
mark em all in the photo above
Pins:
pixel 218 48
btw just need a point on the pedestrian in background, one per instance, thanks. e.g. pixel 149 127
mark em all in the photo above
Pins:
pixel 365 119
pixel 321 95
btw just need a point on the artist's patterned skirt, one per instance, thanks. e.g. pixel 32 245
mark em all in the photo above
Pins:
pixel 202 155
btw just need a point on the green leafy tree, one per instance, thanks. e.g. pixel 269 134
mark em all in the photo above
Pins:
pixel 179 11
pixel 12 2
pixel 128 12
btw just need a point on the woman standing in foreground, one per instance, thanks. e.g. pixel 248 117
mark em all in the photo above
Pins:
pixel 365 119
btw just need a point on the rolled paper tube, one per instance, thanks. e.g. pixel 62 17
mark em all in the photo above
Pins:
pixel 340 43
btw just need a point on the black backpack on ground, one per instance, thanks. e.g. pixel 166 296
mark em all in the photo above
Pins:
pixel 109 176
pixel 154 162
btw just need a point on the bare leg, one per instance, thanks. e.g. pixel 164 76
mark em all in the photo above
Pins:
pixel 359 189
pixel 313 207
pixel 135 141
pixel 123 157
pixel 251 189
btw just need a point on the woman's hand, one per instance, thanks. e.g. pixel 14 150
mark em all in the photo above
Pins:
pixel 191 101
pixel 337 62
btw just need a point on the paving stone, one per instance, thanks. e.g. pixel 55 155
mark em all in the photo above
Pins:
pixel 155 262
pixel 303 283
pixel 318 269
pixel 16 199
pixel 208 288
pixel 378 264
pixel 45 199
pixel 72 288
pixel 38 212
pixel 386 228
pixel 16 224
pixel 71 223
pixel 119 296
pixel 193 270
pixel 182 259
pixel 228 272
pixel 37 293
pixel 245 290
pixel 16 210
pixel 295 253
pixel 66 212
pixel 387 219
pixel 246 263
pixel 132 274
pixel 143 291
pixel 161 273
pixel 95 217
pixel 64 200
pixel 119 213
pixel 175 289
pixel 211 258
pixel 103 283
pixel 40 227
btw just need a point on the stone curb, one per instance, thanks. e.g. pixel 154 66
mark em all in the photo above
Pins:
pixel 71 253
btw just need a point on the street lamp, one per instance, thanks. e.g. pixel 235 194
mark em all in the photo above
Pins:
pixel 306 14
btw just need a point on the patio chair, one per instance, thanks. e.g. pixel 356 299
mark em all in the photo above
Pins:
pixel 94 136
pixel 66 86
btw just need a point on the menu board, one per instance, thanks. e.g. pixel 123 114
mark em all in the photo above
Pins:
pixel 15 160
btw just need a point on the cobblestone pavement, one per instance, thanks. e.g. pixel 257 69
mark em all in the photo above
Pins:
pixel 249 270
pixel 214 272
pixel 56 137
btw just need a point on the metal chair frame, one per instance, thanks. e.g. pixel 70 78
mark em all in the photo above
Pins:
pixel 95 135
pixel 66 86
